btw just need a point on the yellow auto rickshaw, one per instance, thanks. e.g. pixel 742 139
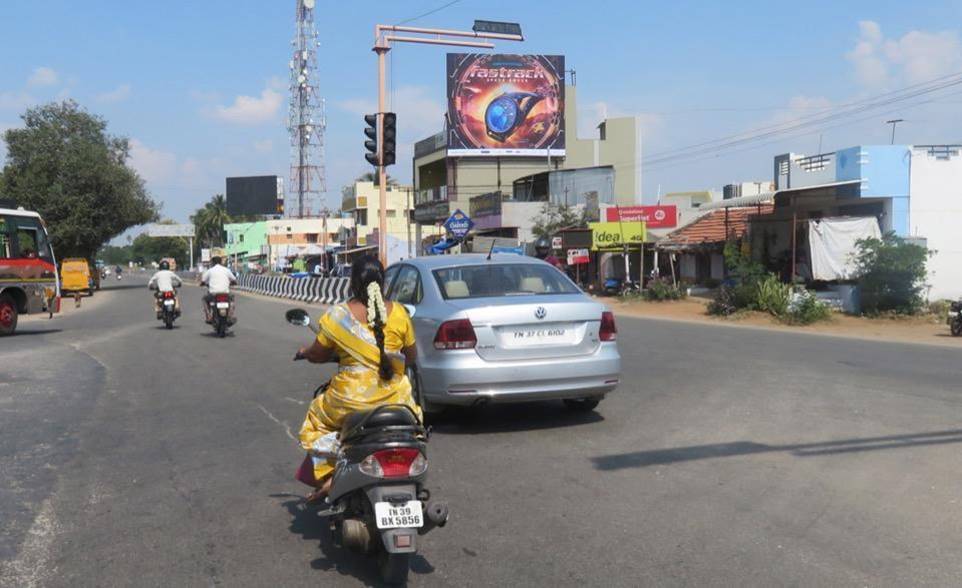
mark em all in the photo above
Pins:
pixel 75 276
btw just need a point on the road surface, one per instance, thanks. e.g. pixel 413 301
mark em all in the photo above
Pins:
pixel 131 455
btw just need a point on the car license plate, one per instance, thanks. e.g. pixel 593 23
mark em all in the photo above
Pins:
pixel 223 304
pixel 168 302
pixel 524 336
pixel 402 515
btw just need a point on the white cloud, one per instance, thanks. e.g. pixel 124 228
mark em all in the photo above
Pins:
pixel 43 76
pixel 248 110
pixel 265 146
pixel 153 165
pixel 15 100
pixel 118 94
pixel 916 57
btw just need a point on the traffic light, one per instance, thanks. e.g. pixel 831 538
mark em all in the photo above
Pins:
pixel 389 138
pixel 371 144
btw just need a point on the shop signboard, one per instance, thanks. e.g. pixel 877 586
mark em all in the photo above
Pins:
pixel 614 236
pixel 556 242
pixel 458 224
pixel 578 256
pixel 506 105
pixel 654 217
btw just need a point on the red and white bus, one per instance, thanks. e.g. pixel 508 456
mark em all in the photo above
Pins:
pixel 28 269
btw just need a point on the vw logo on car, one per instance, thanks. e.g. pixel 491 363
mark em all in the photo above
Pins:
pixel 540 313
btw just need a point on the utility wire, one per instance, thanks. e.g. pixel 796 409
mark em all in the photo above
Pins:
pixel 429 13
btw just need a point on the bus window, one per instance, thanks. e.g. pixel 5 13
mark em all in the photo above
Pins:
pixel 32 240
pixel 5 247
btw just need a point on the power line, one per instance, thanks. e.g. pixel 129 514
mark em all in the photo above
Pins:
pixel 429 13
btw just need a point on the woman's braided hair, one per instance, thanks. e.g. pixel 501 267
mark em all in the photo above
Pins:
pixel 367 282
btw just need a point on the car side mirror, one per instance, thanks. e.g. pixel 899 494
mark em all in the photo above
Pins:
pixel 411 309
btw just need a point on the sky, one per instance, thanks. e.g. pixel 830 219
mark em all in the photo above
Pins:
pixel 200 88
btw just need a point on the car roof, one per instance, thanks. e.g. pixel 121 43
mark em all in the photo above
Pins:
pixel 431 262
pixel 19 212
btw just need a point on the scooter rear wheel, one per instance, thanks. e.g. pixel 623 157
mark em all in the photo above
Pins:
pixel 956 328
pixel 394 567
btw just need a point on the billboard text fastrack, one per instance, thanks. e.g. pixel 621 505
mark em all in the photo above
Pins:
pixel 506 104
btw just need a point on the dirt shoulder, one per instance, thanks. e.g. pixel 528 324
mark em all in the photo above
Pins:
pixel 922 330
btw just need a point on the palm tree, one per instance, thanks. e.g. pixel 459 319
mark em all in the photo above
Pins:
pixel 372 177
pixel 209 221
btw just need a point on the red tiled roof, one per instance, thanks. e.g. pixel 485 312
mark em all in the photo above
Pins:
pixel 712 228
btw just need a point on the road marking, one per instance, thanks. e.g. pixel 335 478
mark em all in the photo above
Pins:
pixel 33 566
pixel 294 400
pixel 287 428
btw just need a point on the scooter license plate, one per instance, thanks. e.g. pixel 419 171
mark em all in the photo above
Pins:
pixel 168 302
pixel 223 304
pixel 402 515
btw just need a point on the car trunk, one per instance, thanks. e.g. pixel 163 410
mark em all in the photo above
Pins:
pixel 533 327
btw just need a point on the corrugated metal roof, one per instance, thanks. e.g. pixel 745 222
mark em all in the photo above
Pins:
pixel 713 227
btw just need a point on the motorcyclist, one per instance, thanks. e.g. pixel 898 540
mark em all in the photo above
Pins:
pixel 218 280
pixel 542 249
pixel 165 281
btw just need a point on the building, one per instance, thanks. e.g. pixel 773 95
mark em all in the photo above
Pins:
pixel 912 190
pixel 246 244
pixel 444 183
pixel 304 237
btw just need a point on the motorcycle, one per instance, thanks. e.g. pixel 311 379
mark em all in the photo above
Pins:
pixel 221 316
pixel 378 503
pixel 168 308
pixel 955 318
pixel 620 287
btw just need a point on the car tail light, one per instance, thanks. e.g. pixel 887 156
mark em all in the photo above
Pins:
pixel 456 334
pixel 608 330
pixel 221 297
pixel 395 463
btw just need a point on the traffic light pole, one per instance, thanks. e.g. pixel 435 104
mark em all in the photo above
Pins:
pixel 382 44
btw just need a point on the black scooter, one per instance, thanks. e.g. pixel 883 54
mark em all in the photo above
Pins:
pixel 955 318
pixel 378 503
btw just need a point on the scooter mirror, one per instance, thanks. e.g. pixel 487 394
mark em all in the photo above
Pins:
pixel 298 317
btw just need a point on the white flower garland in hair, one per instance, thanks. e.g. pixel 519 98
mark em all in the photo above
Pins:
pixel 375 304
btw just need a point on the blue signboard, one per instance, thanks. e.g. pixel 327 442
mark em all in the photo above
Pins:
pixel 514 250
pixel 458 224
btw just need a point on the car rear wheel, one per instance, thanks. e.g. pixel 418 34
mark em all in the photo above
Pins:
pixel 8 315
pixel 582 404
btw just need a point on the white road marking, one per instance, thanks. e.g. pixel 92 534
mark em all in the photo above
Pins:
pixel 287 428
pixel 33 565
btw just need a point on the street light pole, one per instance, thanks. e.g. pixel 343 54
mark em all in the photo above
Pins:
pixel 382 44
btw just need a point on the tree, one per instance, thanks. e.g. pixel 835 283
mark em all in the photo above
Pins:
pixel 891 274
pixel 146 250
pixel 65 165
pixel 372 177
pixel 554 217
pixel 113 255
pixel 209 221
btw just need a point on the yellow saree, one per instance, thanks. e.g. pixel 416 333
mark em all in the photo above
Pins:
pixel 357 385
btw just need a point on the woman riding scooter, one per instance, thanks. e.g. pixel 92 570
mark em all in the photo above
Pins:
pixel 372 341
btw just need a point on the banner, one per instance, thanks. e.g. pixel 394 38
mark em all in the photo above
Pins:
pixel 654 217
pixel 164 230
pixel 578 256
pixel 506 104
pixel 613 236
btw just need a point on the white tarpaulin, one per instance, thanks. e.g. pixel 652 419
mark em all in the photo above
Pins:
pixel 832 245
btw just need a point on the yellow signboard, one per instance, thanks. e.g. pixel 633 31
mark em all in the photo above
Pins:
pixel 613 236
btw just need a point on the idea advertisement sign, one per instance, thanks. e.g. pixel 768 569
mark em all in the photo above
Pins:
pixel 614 236
pixel 655 217
pixel 458 224
pixel 578 256
pixel 506 104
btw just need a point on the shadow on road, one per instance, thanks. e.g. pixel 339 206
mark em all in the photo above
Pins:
pixel 21 333
pixel 124 286
pixel 510 418
pixel 641 459
pixel 306 523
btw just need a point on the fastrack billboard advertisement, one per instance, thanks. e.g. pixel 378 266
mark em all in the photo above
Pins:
pixel 506 104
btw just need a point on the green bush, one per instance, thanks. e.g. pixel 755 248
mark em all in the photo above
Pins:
pixel 772 296
pixel 805 308
pixel 663 289
pixel 723 304
pixel 891 275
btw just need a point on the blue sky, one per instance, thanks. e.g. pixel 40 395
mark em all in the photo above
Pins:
pixel 200 86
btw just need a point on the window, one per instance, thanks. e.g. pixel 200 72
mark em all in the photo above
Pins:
pixel 502 279
pixel 360 217
pixel 312 237
pixel 389 274
pixel 407 288
pixel 6 250
pixel 240 238
pixel 31 239
pixel 391 213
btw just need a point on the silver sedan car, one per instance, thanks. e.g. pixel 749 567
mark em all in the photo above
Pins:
pixel 504 329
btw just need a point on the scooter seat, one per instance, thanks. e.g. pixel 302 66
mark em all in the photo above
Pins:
pixel 387 416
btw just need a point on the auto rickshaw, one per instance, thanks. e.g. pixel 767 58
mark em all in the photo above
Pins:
pixel 75 276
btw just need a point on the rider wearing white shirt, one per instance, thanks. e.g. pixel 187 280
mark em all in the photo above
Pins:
pixel 165 281
pixel 218 280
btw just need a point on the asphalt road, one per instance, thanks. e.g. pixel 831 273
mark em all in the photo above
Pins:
pixel 130 455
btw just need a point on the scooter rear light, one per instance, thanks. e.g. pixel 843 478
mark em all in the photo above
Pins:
pixel 221 297
pixel 168 294
pixel 608 331
pixel 456 334
pixel 394 463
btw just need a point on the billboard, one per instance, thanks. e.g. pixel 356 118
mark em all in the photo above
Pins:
pixel 506 104
pixel 167 230
pixel 252 195
pixel 655 217
pixel 613 236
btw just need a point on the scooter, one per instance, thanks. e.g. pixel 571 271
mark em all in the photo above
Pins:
pixel 378 503
pixel 221 316
pixel 168 308
pixel 955 318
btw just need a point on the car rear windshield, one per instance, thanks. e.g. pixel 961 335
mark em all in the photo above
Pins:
pixel 502 279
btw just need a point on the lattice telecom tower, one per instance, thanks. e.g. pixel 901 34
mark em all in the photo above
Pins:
pixel 306 118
